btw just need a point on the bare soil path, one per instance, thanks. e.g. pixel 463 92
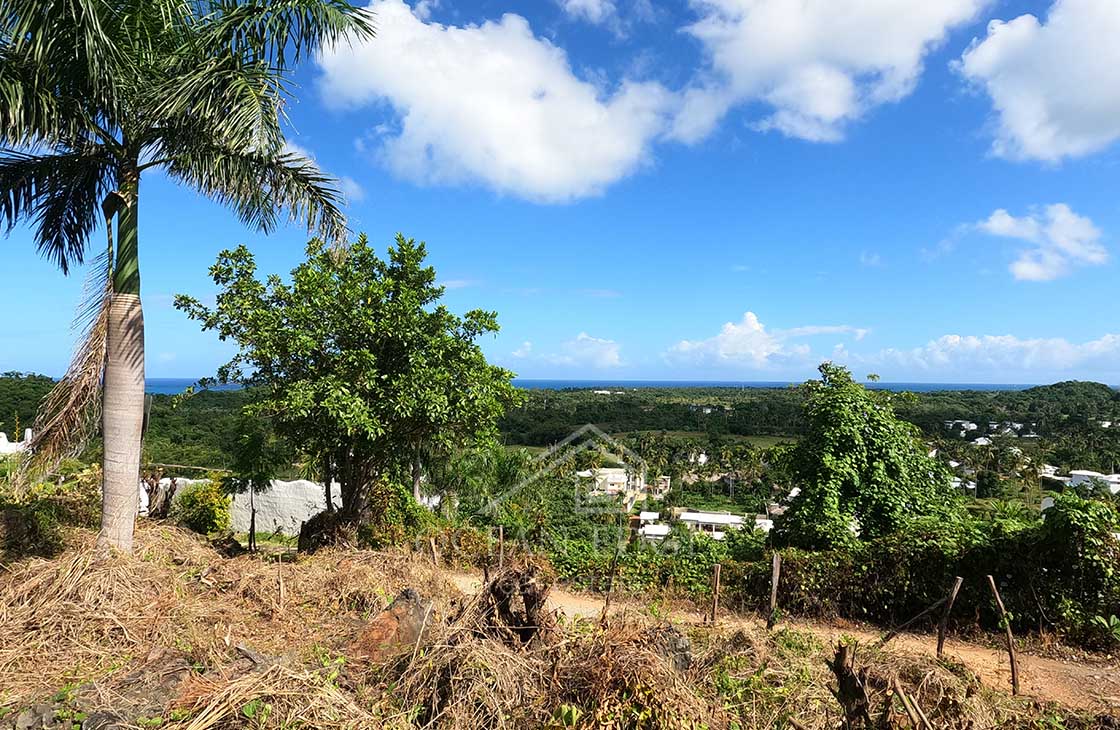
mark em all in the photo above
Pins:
pixel 1093 687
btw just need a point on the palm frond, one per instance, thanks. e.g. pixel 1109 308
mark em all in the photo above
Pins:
pixel 77 41
pixel 260 186
pixel 60 192
pixel 30 110
pixel 225 98
pixel 69 413
pixel 284 32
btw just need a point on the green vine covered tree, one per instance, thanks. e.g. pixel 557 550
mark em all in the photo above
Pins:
pixel 861 471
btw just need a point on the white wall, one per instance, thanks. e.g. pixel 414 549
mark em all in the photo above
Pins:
pixel 283 508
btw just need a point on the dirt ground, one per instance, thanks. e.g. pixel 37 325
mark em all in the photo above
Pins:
pixel 1085 686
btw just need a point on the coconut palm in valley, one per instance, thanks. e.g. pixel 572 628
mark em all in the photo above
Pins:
pixel 94 93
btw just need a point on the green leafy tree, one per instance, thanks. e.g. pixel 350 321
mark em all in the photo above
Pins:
pixel 356 360
pixel 857 465
pixel 258 456
pixel 93 94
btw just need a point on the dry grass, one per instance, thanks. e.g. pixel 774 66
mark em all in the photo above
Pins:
pixel 257 643
pixel 72 619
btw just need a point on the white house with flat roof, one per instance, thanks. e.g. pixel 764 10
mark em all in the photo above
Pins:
pixel 713 524
pixel 8 447
pixel 1079 477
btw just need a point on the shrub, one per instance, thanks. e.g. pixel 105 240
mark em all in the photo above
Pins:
pixel 202 507
pixel 30 528
pixel 393 517
pixel 1060 572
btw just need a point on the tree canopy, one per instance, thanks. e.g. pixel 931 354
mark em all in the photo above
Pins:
pixel 858 467
pixel 356 361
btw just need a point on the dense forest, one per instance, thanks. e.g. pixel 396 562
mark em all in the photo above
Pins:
pixel 20 394
pixel 195 430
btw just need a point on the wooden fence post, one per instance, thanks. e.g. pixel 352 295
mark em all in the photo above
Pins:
pixel 715 592
pixel 775 574
pixel 1010 638
pixel 435 554
pixel 941 626
pixel 501 546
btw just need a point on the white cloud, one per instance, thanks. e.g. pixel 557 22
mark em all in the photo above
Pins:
pixel 1004 356
pixel 593 11
pixel 749 343
pixel 457 283
pixel 583 351
pixel 292 148
pixel 816 64
pixel 423 8
pixel 1060 240
pixel 870 259
pixel 588 351
pixel 1054 85
pixel 493 103
pixel 353 191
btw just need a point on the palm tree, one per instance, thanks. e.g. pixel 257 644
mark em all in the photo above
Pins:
pixel 93 93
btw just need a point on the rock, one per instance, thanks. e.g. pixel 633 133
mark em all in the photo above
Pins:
pixel 228 545
pixel 104 720
pixel 398 626
pixel 673 646
pixel 26 720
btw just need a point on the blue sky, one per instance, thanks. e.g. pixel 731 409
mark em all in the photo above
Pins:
pixel 705 189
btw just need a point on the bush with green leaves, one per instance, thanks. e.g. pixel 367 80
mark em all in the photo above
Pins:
pixel 859 468
pixel 1059 572
pixel 203 507
pixel 394 516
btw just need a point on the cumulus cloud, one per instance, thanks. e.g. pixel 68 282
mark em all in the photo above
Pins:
pixel 292 148
pixel 593 11
pixel 749 343
pixel 1054 84
pixel 583 351
pixel 1004 356
pixel 493 103
pixel 1059 241
pixel 353 191
pixel 815 64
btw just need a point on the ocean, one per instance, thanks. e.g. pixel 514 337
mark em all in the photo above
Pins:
pixel 174 386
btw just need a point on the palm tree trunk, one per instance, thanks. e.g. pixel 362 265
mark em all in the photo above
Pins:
pixel 122 410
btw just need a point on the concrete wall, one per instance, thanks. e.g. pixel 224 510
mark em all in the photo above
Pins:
pixel 283 508
pixel 8 447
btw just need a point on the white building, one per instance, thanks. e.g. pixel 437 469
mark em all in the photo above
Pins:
pixel 612 481
pixel 713 524
pixel 654 533
pixel 1079 477
pixel 7 447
